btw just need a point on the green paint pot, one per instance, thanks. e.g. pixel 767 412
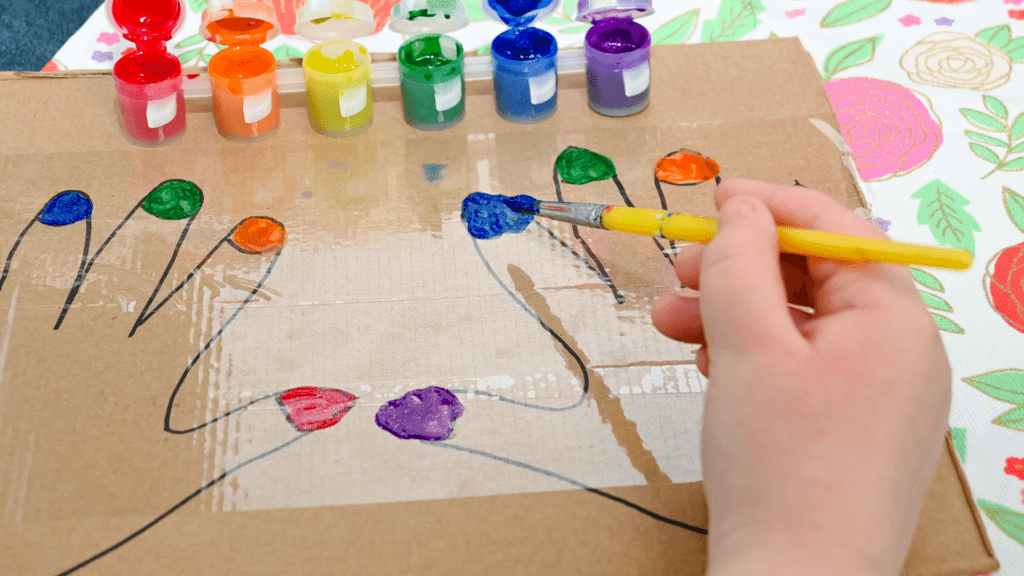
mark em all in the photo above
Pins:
pixel 433 84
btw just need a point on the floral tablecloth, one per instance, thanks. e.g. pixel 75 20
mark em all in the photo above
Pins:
pixel 931 104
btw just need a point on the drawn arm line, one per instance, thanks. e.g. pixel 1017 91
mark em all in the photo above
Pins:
pixel 209 343
pixel 564 344
pixel 567 480
pixel 187 499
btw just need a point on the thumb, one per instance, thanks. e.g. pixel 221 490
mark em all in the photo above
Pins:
pixel 742 294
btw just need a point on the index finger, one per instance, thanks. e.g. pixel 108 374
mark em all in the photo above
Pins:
pixel 802 207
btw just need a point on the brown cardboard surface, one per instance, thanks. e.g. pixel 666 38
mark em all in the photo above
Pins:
pixel 378 287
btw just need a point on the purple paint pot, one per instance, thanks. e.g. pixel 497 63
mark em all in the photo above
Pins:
pixel 618 55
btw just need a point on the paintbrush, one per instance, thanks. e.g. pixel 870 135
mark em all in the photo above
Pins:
pixel 684 227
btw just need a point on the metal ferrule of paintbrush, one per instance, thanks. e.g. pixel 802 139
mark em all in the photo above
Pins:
pixel 578 213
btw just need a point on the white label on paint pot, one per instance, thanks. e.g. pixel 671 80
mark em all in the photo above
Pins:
pixel 637 79
pixel 257 107
pixel 596 5
pixel 352 101
pixel 542 88
pixel 448 94
pixel 160 112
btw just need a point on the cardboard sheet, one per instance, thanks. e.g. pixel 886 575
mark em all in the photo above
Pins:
pixel 578 449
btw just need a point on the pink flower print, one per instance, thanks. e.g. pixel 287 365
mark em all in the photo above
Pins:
pixel 109 38
pixel 1016 14
pixel 1013 2
pixel 794 13
pixel 911 20
pixel 889 129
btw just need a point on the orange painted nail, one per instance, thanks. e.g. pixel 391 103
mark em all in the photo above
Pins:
pixel 685 167
pixel 258 235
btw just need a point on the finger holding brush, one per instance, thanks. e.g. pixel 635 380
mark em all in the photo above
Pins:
pixel 820 431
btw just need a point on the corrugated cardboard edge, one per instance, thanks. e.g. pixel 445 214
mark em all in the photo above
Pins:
pixel 963 568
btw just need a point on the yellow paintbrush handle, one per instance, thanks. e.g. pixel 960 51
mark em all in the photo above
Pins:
pixel 791 240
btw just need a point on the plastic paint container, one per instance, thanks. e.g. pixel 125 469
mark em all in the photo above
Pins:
pixel 340 100
pixel 618 55
pixel 525 75
pixel 148 81
pixel 431 64
pixel 243 76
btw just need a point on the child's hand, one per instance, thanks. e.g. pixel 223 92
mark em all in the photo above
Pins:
pixel 821 431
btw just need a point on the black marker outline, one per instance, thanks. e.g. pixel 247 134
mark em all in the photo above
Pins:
pixel 616 293
pixel 629 204
pixel 548 329
pixel 567 480
pixel 76 287
pixel 37 218
pixel 661 193
pixel 181 503
pixel 564 244
pixel 195 360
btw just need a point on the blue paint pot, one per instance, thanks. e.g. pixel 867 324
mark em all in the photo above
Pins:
pixel 525 75
pixel 525 70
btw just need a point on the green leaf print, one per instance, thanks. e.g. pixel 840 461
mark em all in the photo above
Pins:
pixel 189 56
pixel 574 29
pixel 190 41
pixel 677 30
pixel 197 6
pixel 942 209
pixel 995 106
pixel 1014 204
pixel 1006 385
pixel 556 21
pixel 983 121
pixel 927 280
pixel 1017 128
pixel 935 303
pixel 978 136
pixel 853 11
pixel 984 153
pixel 1008 520
pixel 849 55
pixel 947 325
pixel 1013 165
pixel 474 12
pixel 1012 419
pixel 1013 131
pixel 1015 50
pixel 960 442
pixel 736 19
pixel 998 36
pixel 285 52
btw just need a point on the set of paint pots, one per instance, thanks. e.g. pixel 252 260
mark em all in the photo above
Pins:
pixel 338 76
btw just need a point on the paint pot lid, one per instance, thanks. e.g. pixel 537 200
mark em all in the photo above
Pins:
pixel 231 22
pixel 334 20
pixel 141 20
pixel 518 13
pixel 412 17
pixel 594 10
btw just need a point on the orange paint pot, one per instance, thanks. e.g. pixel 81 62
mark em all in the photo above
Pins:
pixel 686 167
pixel 243 76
